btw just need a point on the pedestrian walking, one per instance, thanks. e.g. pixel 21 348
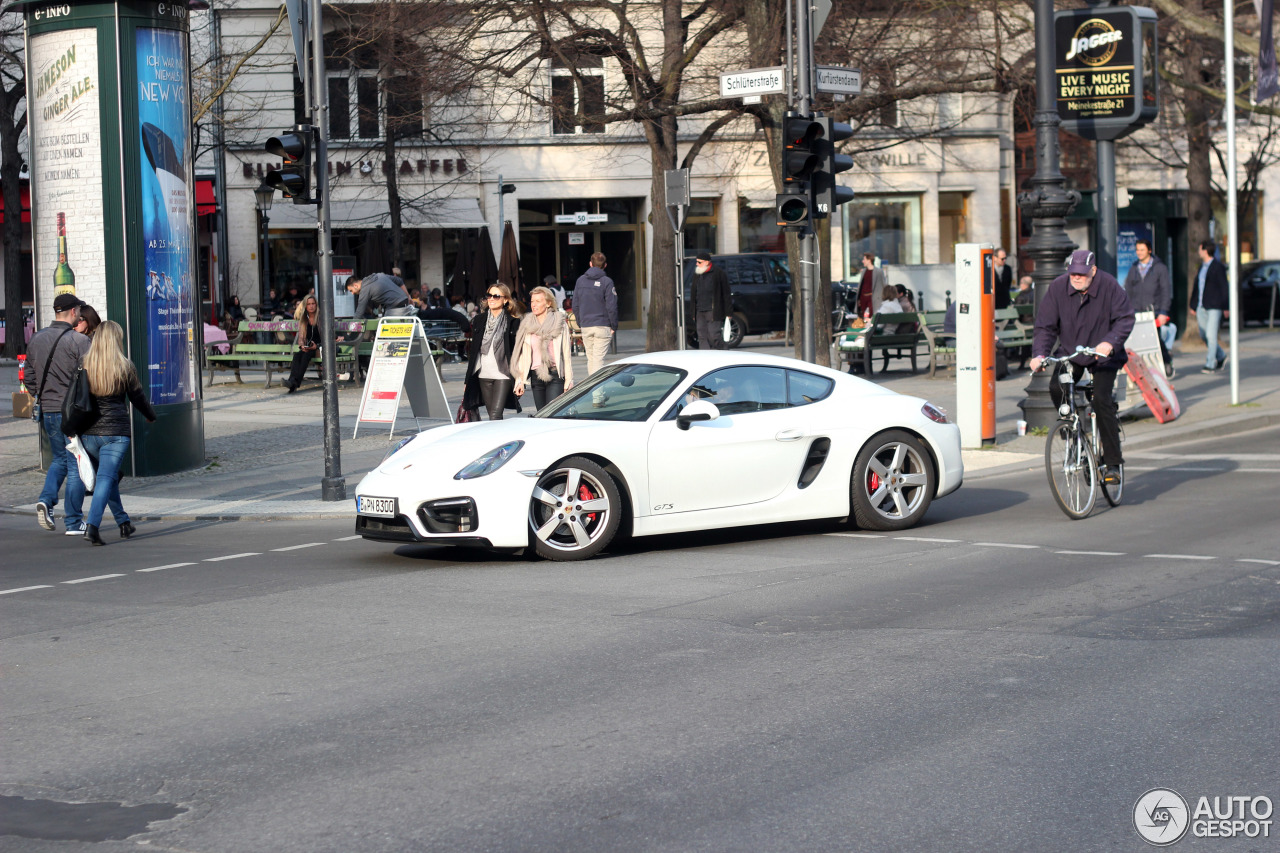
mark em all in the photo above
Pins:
pixel 595 301
pixel 553 284
pixel 543 347
pixel 114 383
pixel 711 301
pixel 53 355
pixel 1210 300
pixel 1150 288
pixel 493 339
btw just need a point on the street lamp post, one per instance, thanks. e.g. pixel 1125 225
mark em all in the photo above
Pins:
pixel 1049 202
pixel 264 195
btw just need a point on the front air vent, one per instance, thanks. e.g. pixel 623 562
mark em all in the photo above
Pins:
pixel 450 515
pixel 813 462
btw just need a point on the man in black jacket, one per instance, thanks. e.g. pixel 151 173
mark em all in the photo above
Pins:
pixel 711 302
pixel 1210 299
pixel 53 355
pixel 1150 288
pixel 1002 279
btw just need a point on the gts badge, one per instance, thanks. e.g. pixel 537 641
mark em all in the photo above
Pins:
pixel 664 507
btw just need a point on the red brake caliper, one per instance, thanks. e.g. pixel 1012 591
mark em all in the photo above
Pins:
pixel 584 494
pixel 873 482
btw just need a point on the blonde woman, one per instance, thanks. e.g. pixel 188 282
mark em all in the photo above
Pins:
pixel 308 341
pixel 114 383
pixel 493 335
pixel 543 347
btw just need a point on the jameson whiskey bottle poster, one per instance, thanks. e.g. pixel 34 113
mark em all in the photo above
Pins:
pixel 66 168
pixel 164 124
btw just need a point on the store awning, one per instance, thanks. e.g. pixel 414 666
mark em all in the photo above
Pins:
pixel 442 213
pixel 26 205
pixel 206 201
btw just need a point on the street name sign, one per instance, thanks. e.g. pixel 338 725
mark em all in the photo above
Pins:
pixel 753 81
pixel 839 81
pixel 580 218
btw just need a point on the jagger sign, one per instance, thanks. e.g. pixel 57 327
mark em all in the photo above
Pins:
pixel 1106 70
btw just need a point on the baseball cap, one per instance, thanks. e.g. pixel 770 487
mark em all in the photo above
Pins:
pixel 65 302
pixel 1082 262
pixel 549 280
pixel 703 256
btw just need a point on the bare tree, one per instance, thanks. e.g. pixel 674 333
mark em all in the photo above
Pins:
pixel 13 124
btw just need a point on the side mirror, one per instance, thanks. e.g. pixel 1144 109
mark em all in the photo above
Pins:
pixel 698 410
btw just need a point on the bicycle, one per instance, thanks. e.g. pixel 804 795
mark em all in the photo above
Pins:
pixel 1072 451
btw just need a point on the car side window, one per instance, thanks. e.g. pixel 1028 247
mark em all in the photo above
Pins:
pixel 751 271
pixel 805 388
pixel 781 273
pixel 740 390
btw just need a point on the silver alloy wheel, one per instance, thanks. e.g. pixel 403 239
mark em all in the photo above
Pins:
pixel 896 481
pixel 562 518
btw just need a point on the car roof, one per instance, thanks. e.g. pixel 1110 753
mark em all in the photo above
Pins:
pixel 700 361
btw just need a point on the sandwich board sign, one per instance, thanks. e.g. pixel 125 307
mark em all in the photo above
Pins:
pixel 401 362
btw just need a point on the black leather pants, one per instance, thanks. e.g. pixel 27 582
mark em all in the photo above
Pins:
pixel 494 393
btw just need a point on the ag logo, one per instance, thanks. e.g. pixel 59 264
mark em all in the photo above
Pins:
pixel 1094 42
pixel 1161 817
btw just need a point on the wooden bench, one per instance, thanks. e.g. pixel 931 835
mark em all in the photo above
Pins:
pixel 863 344
pixel 1015 327
pixel 273 357
pixel 942 345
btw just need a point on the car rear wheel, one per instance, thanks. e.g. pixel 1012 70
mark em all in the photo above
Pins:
pixel 893 482
pixel 575 510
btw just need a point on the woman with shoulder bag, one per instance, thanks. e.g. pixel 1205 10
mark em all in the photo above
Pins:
pixel 493 337
pixel 114 382
pixel 543 346
pixel 308 341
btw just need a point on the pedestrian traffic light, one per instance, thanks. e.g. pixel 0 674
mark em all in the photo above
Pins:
pixel 294 179
pixel 799 155
pixel 794 213
pixel 826 193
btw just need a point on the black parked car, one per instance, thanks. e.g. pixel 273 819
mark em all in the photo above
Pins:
pixel 1257 282
pixel 759 284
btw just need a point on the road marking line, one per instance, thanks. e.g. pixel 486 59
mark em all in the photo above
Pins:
pixel 162 568
pixel 1178 557
pixel 296 547
pixel 1263 562
pixel 1004 545
pixel 348 538
pixel 233 556
pixel 98 578
pixel 1093 553
pixel 925 539
pixel 26 588
pixel 859 535
pixel 1205 470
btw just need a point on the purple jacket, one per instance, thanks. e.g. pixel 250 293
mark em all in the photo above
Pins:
pixel 1102 313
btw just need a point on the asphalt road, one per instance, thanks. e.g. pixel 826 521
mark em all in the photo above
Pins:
pixel 979 683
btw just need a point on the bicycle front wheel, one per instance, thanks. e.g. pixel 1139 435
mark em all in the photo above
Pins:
pixel 1113 492
pixel 1073 473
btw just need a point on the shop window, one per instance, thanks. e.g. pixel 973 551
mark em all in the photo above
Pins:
pixel 887 226
pixel 576 89
pixel 758 228
pixel 953 224
pixel 700 226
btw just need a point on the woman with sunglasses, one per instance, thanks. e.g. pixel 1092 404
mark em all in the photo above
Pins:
pixel 493 338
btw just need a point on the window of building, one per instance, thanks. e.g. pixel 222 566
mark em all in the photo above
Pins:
pixel 953 224
pixel 887 226
pixel 576 89
pixel 758 228
pixel 700 226
pixel 363 105
pixel 888 115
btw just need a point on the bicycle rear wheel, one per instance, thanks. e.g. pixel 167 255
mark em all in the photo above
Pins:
pixel 1073 473
pixel 1113 493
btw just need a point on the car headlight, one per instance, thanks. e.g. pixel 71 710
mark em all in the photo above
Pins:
pixel 399 444
pixel 937 414
pixel 490 462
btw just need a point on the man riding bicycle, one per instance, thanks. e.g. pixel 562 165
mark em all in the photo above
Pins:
pixel 1088 308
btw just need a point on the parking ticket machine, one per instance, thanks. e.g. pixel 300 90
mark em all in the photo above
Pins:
pixel 975 344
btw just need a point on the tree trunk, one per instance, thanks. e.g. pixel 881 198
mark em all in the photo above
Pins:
pixel 1196 109
pixel 661 334
pixel 393 196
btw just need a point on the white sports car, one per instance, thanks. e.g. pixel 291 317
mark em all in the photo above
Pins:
pixel 664 443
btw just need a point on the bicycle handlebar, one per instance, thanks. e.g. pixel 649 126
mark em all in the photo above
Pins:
pixel 1051 359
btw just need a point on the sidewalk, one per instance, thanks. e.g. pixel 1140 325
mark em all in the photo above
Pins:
pixel 265 449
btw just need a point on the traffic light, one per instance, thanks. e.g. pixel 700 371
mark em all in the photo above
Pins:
pixel 294 179
pixel 826 193
pixel 794 213
pixel 799 152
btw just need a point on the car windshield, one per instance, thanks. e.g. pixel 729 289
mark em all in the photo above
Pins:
pixel 619 392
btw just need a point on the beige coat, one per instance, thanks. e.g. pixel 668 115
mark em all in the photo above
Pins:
pixel 524 361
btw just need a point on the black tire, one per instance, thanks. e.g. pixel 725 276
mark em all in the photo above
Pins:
pixel 893 482
pixel 737 329
pixel 1072 470
pixel 587 523
pixel 1113 493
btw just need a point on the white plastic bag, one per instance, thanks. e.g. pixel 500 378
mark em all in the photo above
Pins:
pixel 84 464
pixel 728 330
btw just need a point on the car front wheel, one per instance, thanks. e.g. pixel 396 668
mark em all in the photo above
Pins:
pixel 575 510
pixel 893 482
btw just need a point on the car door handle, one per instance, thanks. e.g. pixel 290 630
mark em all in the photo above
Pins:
pixel 790 435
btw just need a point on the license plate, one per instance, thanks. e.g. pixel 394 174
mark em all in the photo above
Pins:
pixel 385 507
